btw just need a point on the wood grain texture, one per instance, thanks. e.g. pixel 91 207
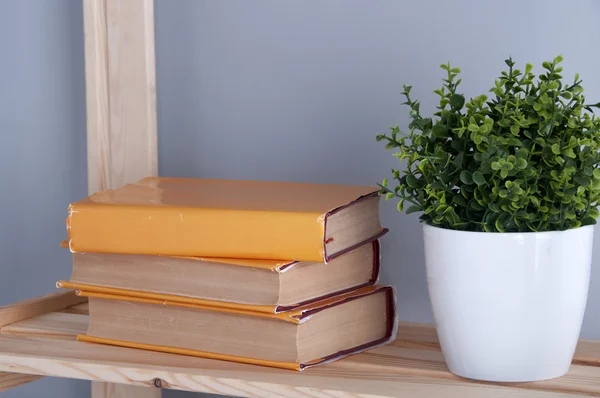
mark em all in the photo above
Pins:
pixel 11 380
pixel 58 325
pixel 97 98
pixel 37 306
pixel 82 309
pixel 112 390
pixel 388 371
pixel 121 104
pixel 120 92
pixel 340 379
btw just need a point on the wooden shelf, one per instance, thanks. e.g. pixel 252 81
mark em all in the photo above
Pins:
pixel 37 338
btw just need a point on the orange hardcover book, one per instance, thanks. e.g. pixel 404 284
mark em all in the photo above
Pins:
pixel 321 332
pixel 271 285
pixel 224 218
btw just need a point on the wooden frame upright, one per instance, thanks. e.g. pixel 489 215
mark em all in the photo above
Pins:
pixel 121 110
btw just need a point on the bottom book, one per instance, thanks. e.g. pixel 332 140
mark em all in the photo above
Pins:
pixel 319 333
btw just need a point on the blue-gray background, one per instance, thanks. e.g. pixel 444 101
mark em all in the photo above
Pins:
pixel 272 90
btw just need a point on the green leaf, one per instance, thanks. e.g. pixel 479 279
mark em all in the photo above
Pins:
pixel 458 160
pixel 514 129
pixel 459 200
pixel 566 95
pixel 466 177
pixel 522 153
pixel 558 59
pixel 457 101
pixel 476 206
pixel 499 225
pixel 588 221
pixel 442 208
pixel 583 181
pixel 521 164
pixel 569 153
pixel 400 205
pixel 439 130
pixel 478 178
pixel 473 127
pixel 540 141
pixel 413 209
pixel 412 181
pixel 494 207
pixel 596 173
pixel 555 149
pixel 389 195
pixel 503 173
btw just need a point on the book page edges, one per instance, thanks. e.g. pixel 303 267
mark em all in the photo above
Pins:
pixel 392 319
pixel 373 281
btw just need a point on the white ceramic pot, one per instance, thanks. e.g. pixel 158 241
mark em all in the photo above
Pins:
pixel 508 306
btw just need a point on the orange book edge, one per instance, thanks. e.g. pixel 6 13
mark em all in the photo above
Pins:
pixel 270 265
pixel 296 316
pixel 390 335
pixel 188 352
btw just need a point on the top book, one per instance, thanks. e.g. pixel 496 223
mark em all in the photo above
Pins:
pixel 226 218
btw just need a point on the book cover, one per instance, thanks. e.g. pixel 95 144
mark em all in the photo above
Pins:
pixel 225 218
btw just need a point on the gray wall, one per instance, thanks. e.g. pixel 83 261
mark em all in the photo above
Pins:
pixel 258 90
pixel 297 90
pixel 290 90
pixel 42 153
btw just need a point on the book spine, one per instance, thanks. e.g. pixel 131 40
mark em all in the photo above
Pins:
pixel 179 231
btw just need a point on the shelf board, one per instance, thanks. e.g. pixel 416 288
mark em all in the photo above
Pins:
pixel 411 366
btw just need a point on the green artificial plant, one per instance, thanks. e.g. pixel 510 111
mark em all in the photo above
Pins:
pixel 525 160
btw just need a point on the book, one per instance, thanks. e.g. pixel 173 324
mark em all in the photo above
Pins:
pixel 266 285
pixel 225 218
pixel 321 332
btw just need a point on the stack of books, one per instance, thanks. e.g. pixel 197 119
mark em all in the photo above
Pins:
pixel 268 273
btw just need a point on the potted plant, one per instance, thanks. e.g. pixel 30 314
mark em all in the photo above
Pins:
pixel 508 188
